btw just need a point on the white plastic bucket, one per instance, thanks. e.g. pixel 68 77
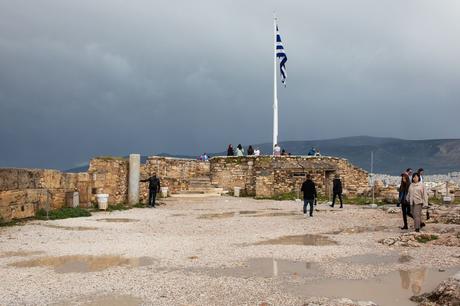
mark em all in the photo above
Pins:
pixel 102 200
pixel 236 191
pixel 164 192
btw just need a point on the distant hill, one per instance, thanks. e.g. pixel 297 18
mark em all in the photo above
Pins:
pixel 391 155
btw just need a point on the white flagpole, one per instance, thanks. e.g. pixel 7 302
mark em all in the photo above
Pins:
pixel 275 95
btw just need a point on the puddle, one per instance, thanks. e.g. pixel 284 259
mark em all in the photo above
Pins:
pixel 376 259
pixel 122 220
pixel 248 212
pixel 307 239
pixel 71 228
pixel 390 289
pixel 359 229
pixel 268 268
pixel 20 253
pixel 83 263
pixel 217 216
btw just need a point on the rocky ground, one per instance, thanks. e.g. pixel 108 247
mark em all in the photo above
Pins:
pixel 225 251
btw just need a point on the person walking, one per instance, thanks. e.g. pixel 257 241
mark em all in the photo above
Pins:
pixel 230 151
pixel 239 150
pixel 337 190
pixel 250 150
pixel 403 190
pixel 309 195
pixel 417 197
pixel 154 188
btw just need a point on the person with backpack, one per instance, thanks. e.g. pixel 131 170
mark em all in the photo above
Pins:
pixel 309 195
pixel 154 188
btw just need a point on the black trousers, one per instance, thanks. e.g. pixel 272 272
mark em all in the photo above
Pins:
pixel 152 197
pixel 306 202
pixel 340 198
pixel 405 208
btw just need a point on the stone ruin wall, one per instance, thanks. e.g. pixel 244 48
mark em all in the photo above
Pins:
pixel 266 176
pixel 174 173
pixel 24 191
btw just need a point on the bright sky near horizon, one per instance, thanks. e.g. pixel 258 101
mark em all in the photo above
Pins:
pixel 85 78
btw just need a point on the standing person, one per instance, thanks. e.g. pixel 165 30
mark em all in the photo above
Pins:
pixel 230 151
pixel 154 188
pixel 417 198
pixel 405 205
pixel 257 152
pixel 409 173
pixel 250 150
pixel 309 195
pixel 420 173
pixel 239 150
pixel 337 190
pixel 277 150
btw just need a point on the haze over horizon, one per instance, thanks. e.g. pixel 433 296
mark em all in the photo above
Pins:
pixel 82 79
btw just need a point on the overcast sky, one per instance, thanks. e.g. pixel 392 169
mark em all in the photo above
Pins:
pixel 113 77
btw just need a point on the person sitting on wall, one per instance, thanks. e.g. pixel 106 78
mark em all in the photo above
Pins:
pixel 257 152
pixel 317 153
pixel 239 150
pixel 154 188
pixel 312 152
pixel 277 150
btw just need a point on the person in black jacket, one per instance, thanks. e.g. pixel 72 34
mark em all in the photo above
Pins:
pixel 337 190
pixel 309 194
pixel 154 188
pixel 230 151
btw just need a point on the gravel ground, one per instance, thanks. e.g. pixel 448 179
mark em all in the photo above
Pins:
pixel 188 240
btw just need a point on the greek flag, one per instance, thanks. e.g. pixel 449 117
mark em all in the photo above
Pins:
pixel 282 56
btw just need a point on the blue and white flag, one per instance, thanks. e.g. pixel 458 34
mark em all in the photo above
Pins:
pixel 281 55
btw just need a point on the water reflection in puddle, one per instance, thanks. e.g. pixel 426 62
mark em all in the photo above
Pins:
pixel 390 289
pixel 83 263
pixel 376 259
pixel 267 268
pixel 122 220
pixel 308 239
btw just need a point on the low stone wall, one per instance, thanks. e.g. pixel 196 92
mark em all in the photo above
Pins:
pixel 265 176
pixel 174 173
pixel 110 175
pixel 24 191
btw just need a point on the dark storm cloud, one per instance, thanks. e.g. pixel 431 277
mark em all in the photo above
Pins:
pixel 85 78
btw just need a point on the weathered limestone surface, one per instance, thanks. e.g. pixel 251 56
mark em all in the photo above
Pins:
pixel 24 191
pixel 110 175
pixel 447 293
pixel 265 176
